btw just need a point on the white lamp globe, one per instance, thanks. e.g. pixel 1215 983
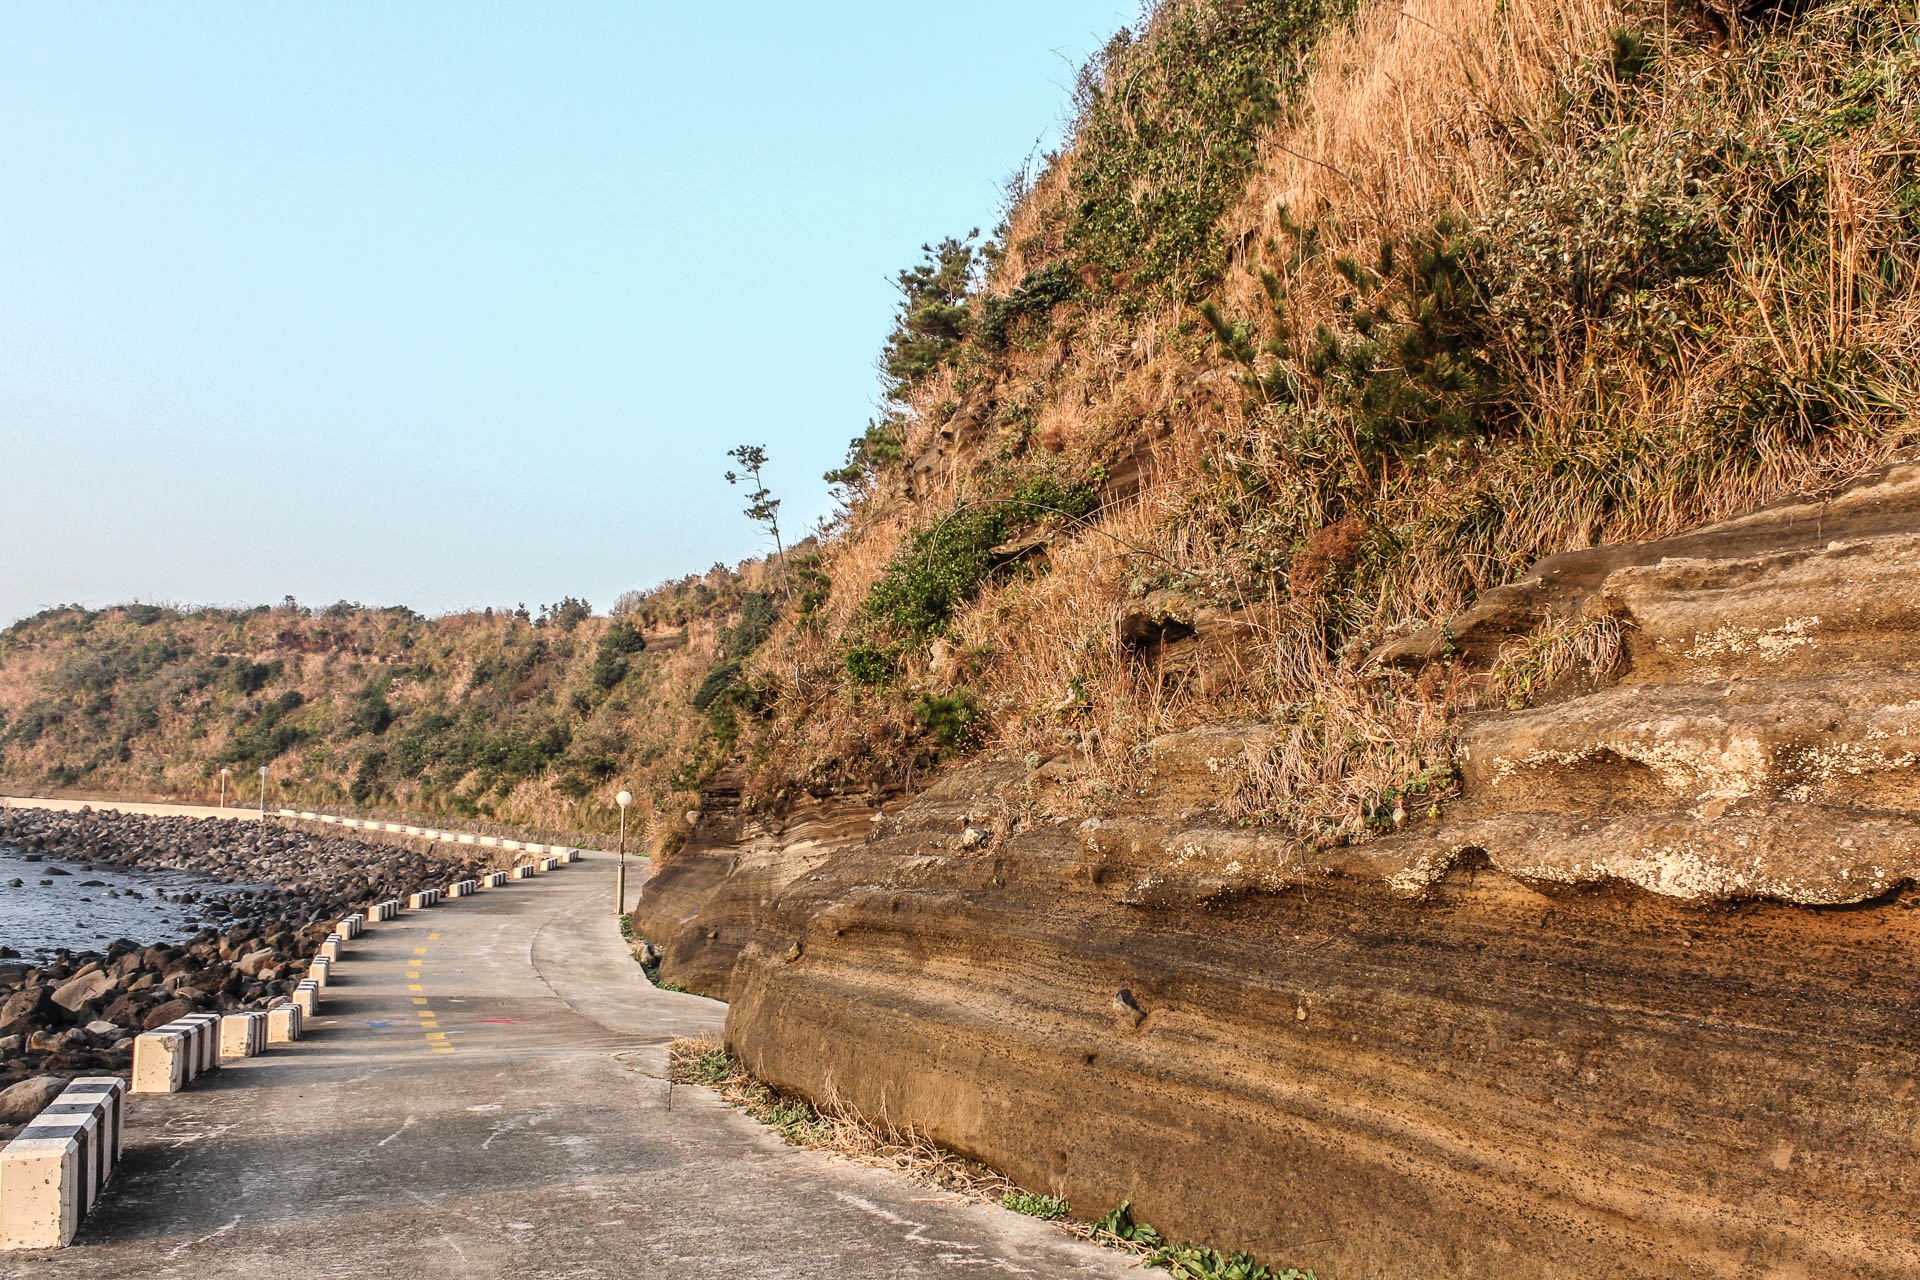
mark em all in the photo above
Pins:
pixel 624 799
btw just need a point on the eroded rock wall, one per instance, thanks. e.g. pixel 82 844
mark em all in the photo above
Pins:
pixel 1641 1004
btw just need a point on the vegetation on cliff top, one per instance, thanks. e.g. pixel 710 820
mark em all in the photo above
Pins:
pixel 1330 317
pixel 1343 315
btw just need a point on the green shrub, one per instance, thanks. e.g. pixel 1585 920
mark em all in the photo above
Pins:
pixel 719 681
pixel 1168 129
pixel 870 665
pixel 1036 295
pixel 757 616
pixel 611 659
pixel 883 442
pixel 933 316
pixel 1046 1208
pixel 370 714
pixel 945 565
pixel 952 718
pixel 366 778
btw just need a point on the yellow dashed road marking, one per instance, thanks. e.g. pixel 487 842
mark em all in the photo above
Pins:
pixel 419 951
pixel 419 999
pixel 432 936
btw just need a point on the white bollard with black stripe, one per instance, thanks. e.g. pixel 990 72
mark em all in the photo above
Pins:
pixel 283 1024
pixel 384 910
pixel 523 872
pixel 330 948
pixel 319 971
pixel 493 879
pixel 53 1172
pixel 168 1058
pixel 306 998
pixel 350 927
pixel 243 1035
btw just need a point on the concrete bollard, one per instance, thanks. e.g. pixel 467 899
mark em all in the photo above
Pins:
pixel 163 1061
pixel 319 971
pixel 532 847
pixel 547 864
pixel 493 879
pixel 306 998
pixel 384 910
pixel 349 927
pixel 54 1171
pixel 283 1024
pixel 243 1035
pixel 514 845
pixel 523 872
pixel 330 949
pixel 168 1058
pixel 208 1038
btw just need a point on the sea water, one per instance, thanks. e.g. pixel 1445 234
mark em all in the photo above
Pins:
pixel 87 908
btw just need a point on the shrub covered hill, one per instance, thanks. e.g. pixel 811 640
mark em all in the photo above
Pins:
pixel 528 720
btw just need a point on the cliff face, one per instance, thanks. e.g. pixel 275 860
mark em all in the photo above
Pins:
pixel 1639 1003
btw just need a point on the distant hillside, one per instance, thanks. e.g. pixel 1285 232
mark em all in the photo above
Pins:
pixel 516 718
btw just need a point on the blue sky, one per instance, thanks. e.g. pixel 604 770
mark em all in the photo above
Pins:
pixel 462 304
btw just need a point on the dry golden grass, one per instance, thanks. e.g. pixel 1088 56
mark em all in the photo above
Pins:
pixel 1487 111
pixel 831 1125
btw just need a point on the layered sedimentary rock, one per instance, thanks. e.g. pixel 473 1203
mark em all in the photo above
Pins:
pixel 1640 1003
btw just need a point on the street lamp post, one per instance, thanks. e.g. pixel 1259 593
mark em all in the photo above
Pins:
pixel 624 799
pixel 263 791
pixel 223 787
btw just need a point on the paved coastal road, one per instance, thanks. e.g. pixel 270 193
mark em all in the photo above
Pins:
pixel 504 1113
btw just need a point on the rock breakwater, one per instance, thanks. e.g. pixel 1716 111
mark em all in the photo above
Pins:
pixel 278 891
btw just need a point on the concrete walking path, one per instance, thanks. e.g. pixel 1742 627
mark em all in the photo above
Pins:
pixel 483 1095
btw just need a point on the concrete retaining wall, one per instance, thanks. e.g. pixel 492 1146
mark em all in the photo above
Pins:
pixel 52 1174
